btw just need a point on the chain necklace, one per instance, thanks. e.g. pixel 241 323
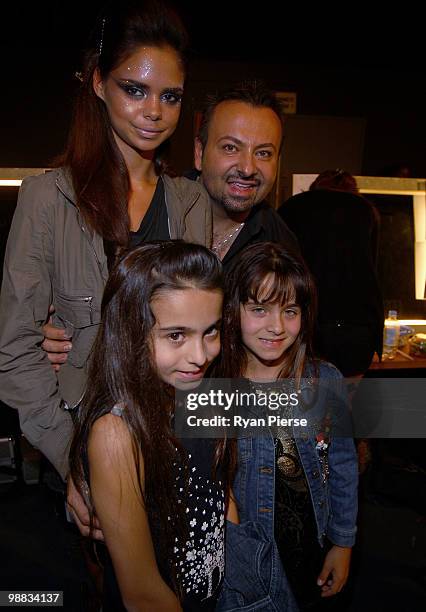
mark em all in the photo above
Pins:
pixel 219 245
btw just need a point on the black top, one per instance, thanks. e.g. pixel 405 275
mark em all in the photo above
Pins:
pixel 155 224
pixel 200 560
pixel 295 528
pixel 262 225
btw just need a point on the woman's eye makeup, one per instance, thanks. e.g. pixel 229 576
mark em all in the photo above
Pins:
pixel 136 90
pixel 172 97
pixel 132 90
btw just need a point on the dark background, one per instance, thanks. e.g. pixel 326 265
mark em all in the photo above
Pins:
pixel 346 61
pixel 349 66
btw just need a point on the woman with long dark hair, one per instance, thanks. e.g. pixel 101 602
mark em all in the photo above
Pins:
pixel 111 191
pixel 161 502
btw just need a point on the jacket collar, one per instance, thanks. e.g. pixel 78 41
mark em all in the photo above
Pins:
pixel 186 191
pixel 65 186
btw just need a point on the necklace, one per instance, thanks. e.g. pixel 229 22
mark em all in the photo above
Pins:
pixel 219 245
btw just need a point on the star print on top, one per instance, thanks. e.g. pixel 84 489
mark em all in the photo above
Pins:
pixel 201 562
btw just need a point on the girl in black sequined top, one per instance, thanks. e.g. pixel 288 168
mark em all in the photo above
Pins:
pixel 161 503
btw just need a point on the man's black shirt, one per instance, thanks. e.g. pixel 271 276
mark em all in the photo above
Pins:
pixel 262 225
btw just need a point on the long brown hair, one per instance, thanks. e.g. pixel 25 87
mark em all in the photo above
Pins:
pixel 244 281
pixel 123 371
pixel 98 170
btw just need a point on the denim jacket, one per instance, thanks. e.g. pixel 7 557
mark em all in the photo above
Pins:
pixel 254 577
pixel 334 495
pixel 255 580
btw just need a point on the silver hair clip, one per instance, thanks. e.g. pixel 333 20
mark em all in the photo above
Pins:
pixel 101 42
pixel 79 76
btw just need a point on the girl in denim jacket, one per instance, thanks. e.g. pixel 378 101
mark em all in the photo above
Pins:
pixel 298 484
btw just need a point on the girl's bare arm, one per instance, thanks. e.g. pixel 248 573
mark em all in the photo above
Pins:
pixel 232 512
pixel 123 518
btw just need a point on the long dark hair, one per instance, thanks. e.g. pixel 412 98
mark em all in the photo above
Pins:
pixel 123 371
pixel 98 170
pixel 244 281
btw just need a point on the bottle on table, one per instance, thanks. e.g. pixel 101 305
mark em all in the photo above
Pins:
pixel 391 335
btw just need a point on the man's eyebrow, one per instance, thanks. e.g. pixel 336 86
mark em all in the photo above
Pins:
pixel 265 145
pixel 233 138
pixel 242 143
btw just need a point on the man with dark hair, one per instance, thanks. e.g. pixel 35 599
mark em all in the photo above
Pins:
pixel 237 151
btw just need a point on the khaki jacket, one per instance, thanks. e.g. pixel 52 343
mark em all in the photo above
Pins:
pixel 52 258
